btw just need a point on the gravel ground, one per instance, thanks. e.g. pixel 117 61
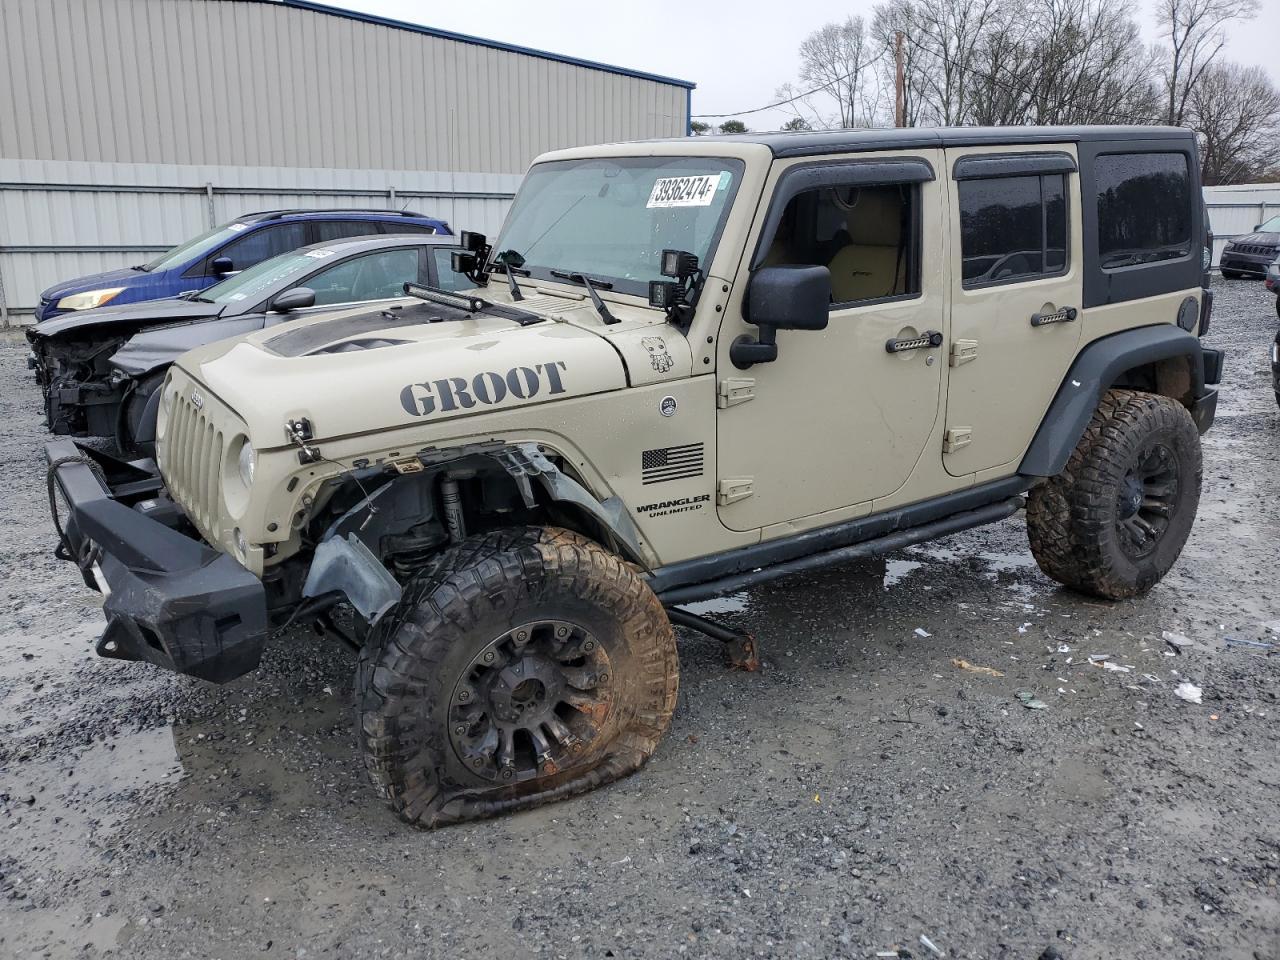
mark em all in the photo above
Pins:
pixel 858 795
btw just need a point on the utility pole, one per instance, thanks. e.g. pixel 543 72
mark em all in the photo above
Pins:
pixel 899 82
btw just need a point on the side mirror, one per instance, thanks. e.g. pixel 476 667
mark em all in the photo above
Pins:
pixel 296 298
pixel 793 297
pixel 221 265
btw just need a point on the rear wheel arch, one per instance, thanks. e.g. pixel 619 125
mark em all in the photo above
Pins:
pixel 1164 360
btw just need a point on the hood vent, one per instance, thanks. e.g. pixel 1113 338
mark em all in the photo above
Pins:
pixel 353 346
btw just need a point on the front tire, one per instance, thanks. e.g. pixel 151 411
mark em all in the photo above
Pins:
pixel 1231 275
pixel 522 666
pixel 1115 520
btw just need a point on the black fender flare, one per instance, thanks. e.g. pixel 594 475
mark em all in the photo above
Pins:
pixel 1095 370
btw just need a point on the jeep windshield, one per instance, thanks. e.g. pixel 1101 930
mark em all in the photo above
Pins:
pixel 611 218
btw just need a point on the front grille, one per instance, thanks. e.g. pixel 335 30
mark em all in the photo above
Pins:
pixel 193 451
pixel 1256 249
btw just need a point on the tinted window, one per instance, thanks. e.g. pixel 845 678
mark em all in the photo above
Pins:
pixel 327 230
pixel 266 242
pixel 446 279
pixel 396 227
pixel 375 276
pixel 868 237
pixel 194 248
pixel 1144 207
pixel 1012 228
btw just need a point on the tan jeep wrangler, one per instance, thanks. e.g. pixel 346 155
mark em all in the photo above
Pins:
pixel 687 366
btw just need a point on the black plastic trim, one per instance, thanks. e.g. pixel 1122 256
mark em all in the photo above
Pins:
pixel 746 560
pixel 171 600
pixel 991 165
pixel 1095 369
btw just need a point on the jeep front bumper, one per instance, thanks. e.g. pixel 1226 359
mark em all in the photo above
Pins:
pixel 168 598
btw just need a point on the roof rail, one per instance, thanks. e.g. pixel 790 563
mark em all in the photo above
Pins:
pixel 262 215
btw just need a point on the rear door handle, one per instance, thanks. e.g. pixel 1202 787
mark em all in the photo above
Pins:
pixel 930 338
pixel 1065 315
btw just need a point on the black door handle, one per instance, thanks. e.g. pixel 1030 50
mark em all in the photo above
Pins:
pixel 930 338
pixel 1065 315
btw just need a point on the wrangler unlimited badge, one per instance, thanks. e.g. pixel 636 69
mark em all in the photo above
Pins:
pixel 489 388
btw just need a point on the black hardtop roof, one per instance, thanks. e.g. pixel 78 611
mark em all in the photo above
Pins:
pixel 806 142
pixel 259 215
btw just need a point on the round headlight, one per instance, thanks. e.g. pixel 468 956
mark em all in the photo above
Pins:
pixel 247 461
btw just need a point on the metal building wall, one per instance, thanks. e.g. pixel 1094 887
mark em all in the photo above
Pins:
pixel 1235 211
pixel 247 83
pixel 65 219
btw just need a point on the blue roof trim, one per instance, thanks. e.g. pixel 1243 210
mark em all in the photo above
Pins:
pixel 478 41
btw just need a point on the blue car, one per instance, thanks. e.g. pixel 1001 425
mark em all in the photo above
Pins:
pixel 228 249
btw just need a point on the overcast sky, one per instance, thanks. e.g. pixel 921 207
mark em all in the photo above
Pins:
pixel 738 52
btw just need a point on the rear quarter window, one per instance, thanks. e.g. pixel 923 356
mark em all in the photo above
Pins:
pixel 1144 208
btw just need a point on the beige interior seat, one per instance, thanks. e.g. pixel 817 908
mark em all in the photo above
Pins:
pixel 868 267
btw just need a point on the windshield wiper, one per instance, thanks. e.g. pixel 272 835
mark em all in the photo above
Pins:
pixel 194 297
pixel 590 284
pixel 140 267
pixel 510 269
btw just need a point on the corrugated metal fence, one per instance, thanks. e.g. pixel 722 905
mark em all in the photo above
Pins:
pixel 62 219
pixel 1235 211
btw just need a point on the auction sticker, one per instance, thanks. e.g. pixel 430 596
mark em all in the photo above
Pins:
pixel 696 191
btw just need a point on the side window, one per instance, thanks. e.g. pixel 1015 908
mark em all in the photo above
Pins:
pixel 1012 228
pixel 867 236
pixel 375 276
pixel 1144 208
pixel 266 242
pixel 327 230
pixel 394 227
pixel 445 278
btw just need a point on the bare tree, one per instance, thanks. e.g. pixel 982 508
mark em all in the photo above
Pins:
pixel 836 62
pixel 890 19
pixel 1195 34
pixel 947 35
pixel 1236 112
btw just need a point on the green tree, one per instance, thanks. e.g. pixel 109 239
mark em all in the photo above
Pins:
pixel 733 126
pixel 797 123
pixel 698 128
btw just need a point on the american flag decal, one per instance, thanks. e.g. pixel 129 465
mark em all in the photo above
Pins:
pixel 671 463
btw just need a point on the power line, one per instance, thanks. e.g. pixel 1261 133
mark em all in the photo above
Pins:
pixel 798 96
pixel 971 71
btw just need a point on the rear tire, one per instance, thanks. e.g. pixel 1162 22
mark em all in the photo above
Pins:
pixel 522 666
pixel 1115 520
pixel 1231 275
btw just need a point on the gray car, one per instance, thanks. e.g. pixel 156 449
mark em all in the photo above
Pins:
pixel 110 396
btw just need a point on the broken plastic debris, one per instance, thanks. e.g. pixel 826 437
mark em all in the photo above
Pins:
pixel 1115 667
pixel 929 945
pixel 1175 640
pixel 1240 642
pixel 974 668
pixel 1099 657
pixel 1063 648
pixel 922 632
pixel 1188 691
pixel 1028 700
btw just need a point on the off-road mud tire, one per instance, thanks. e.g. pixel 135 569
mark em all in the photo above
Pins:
pixel 451 611
pixel 1073 520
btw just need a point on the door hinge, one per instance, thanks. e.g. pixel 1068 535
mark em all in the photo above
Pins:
pixel 955 438
pixel 732 489
pixel 962 351
pixel 735 390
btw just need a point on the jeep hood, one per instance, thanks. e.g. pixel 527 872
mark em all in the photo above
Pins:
pixel 129 315
pixel 377 371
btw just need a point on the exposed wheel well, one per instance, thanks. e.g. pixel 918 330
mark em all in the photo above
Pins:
pixel 1172 377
